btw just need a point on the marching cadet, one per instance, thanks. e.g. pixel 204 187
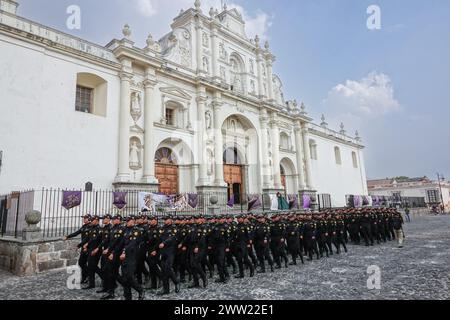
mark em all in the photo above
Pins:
pixel 128 258
pixel 84 232
pixel 197 251
pixel 293 240
pixel 181 256
pixel 251 236
pixel 92 248
pixel 112 252
pixel 278 241
pixel 340 232
pixel 167 246
pixel 365 226
pixel 229 252
pixel 240 248
pixel 261 242
pixel 153 257
pixel 142 226
pixel 106 239
pixel 397 222
pixel 220 237
pixel 310 238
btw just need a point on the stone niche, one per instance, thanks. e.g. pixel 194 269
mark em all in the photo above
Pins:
pixel 25 258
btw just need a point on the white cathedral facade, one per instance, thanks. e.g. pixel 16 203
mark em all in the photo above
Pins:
pixel 198 111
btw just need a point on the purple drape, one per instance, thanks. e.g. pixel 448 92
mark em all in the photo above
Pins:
pixel 306 202
pixel 254 202
pixel 293 201
pixel 193 200
pixel 120 200
pixel 71 199
pixel 231 202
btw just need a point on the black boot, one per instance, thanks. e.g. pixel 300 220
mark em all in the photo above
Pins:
pixel 109 296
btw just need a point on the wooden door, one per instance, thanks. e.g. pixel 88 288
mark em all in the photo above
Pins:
pixel 234 179
pixel 167 175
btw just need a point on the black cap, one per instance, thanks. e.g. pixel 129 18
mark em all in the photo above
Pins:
pixel 107 216
pixel 129 218
pixel 117 217
pixel 96 217
pixel 87 216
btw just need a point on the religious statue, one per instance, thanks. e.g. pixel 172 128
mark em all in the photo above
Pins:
pixel 136 108
pixel 205 40
pixel 208 120
pixel 210 169
pixel 135 162
pixel 205 64
pixel 252 68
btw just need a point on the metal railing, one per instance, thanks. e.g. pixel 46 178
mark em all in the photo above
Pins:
pixel 56 221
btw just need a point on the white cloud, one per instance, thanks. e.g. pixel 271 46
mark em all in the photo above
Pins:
pixel 371 96
pixel 257 23
pixel 146 7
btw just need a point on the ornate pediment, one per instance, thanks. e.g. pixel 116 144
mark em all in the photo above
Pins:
pixel 176 92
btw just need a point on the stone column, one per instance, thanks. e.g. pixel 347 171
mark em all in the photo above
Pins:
pixel 275 135
pixel 300 157
pixel 270 78
pixel 307 155
pixel 264 161
pixel 149 119
pixel 260 76
pixel 201 135
pixel 215 54
pixel 218 141
pixel 123 174
pixel 199 29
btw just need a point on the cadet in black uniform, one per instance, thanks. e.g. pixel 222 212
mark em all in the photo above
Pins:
pixel 240 241
pixel 197 251
pixel 261 242
pixel 167 246
pixel 106 239
pixel 129 247
pixel 92 248
pixel 278 241
pixel 142 248
pixel 220 242
pixel 293 240
pixel 84 232
pixel 112 253
pixel 153 257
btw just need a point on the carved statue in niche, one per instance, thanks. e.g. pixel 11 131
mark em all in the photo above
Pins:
pixel 205 40
pixel 136 106
pixel 208 120
pixel 252 86
pixel 205 64
pixel 252 68
pixel 222 52
pixel 135 159
pixel 222 73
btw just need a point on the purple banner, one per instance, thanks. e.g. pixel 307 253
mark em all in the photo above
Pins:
pixel 71 199
pixel 293 201
pixel 254 202
pixel 231 202
pixel 306 202
pixel 193 200
pixel 120 200
pixel 366 201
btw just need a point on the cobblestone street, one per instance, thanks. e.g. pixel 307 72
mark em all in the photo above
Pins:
pixel 421 270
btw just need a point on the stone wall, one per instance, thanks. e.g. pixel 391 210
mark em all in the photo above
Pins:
pixel 29 258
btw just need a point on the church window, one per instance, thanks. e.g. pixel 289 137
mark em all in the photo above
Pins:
pixel 337 154
pixel 313 149
pixel 355 160
pixel 91 94
pixel 170 117
pixel 83 99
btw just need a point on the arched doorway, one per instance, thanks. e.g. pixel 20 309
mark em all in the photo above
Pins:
pixel 283 179
pixel 288 176
pixel 166 168
pixel 233 175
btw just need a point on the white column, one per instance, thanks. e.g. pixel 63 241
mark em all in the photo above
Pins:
pixel 264 161
pixel 300 157
pixel 215 54
pixel 307 155
pixel 199 50
pixel 218 141
pixel 149 138
pixel 260 76
pixel 275 135
pixel 201 124
pixel 269 78
pixel 123 173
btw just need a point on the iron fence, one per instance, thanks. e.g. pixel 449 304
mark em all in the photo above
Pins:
pixel 56 221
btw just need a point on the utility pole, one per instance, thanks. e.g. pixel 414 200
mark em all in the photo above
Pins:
pixel 440 176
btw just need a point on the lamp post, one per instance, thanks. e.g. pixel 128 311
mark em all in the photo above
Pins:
pixel 441 176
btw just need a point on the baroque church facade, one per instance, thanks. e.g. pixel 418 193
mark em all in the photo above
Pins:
pixel 200 110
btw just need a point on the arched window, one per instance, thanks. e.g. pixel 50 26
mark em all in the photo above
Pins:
pixel 313 149
pixel 165 156
pixel 355 160
pixel 237 71
pixel 337 154
pixel 174 114
pixel 91 94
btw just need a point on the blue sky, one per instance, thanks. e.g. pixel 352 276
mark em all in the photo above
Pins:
pixel 392 85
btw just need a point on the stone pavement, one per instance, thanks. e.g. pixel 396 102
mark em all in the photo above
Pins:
pixel 421 270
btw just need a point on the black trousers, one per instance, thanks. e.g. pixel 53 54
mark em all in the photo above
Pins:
pixel 140 263
pixel 195 265
pixel 278 251
pixel 111 273
pixel 154 270
pixel 219 258
pixel 128 278
pixel 82 262
pixel 263 254
pixel 167 271
pixel 92 266
pixel 241 254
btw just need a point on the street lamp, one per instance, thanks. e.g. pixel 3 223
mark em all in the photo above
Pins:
pixel 441 178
